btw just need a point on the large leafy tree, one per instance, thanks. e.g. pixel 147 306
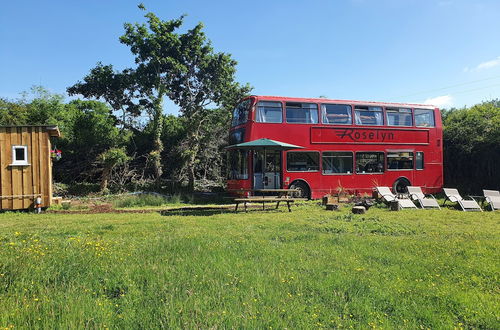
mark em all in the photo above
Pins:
pixel 181 66
pixel 184 67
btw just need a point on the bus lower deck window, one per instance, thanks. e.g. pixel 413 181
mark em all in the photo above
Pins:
pixel 420 160
pixel 238 165
pixel 337 162
pixel 302 161
pixel 369 162
pixel 400 160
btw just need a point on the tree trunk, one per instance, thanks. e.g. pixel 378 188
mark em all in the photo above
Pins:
pixel 157 143
pixel 105 178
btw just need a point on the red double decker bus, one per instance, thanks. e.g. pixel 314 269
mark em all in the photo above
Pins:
pixel 348 146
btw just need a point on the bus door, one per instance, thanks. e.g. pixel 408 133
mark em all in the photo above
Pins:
pixel 267 169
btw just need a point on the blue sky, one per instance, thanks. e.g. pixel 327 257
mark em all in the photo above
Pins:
pixel 445 52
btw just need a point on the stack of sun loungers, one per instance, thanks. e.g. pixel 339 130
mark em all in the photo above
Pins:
pixel 415 194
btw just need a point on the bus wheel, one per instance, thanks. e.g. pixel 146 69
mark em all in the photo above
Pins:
pixel 303 189
pixel 400 185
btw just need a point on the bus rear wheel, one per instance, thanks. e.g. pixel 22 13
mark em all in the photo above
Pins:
pixel 400 185
pixel 303 190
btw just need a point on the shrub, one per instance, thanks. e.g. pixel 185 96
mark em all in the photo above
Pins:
pixel 140 200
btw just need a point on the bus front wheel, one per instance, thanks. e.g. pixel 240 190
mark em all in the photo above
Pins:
pixel 400 185
pixel 302 188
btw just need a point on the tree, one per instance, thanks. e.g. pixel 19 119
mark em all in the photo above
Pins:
pixel 118 89
pixel 180 66
pixel 472 146
pixel 184 67
pixel 109 160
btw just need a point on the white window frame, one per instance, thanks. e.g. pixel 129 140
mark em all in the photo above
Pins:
pixel 16 162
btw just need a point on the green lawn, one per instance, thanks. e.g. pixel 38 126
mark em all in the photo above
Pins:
pixel 305 269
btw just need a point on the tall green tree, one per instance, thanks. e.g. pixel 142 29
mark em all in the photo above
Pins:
pixel 180 66
pixel 184 67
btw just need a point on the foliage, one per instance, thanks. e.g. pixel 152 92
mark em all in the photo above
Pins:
pixel 306 269
pixel 140 200
pixel 472 146
pixel 181 66
pixel 116 88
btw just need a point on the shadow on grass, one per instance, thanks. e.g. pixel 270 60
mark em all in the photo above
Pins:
pixel 198 212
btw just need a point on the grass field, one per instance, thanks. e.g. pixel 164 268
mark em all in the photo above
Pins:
pixel 273 269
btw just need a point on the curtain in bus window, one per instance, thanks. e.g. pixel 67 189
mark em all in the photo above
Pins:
pixel 337 162
pixel 269 112
pixel 399 117
pixel 303 113
pixel 365 115
pixel 302 161
pixel 424 118
pixel 400 160
pixel 336 114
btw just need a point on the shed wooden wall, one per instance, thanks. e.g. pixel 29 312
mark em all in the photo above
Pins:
pixel 20 185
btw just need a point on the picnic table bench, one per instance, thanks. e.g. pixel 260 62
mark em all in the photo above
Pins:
pixel 266 199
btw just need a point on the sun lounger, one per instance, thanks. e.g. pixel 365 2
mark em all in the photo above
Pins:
pixel 466 204
pixel 493 198
pixel 388 196
pixel 424 201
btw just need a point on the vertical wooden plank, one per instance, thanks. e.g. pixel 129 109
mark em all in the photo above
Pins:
pixel 42 143
pixel 26 170
pixel 17 183
pixel 2 167
pixel 35 165
pixel 49 171
pixel 6 172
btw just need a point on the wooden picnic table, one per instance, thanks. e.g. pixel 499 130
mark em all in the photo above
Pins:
pixel 266 199
pixel 282 193
pixel 278 196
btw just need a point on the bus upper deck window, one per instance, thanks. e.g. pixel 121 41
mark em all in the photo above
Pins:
pixel 240 113
pixel 339 114
pixel 301 113
pixel 366 115
pixel 399 117
pixel 424 118
pixel 269 112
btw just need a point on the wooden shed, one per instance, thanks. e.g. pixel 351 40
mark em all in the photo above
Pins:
pixel 26 166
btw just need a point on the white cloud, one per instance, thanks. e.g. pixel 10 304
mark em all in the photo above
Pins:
pixel 489 64
pixel 440 101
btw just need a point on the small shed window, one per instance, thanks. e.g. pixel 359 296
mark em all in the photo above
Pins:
pixel 19 155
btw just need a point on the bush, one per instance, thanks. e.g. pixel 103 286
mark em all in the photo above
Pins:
pixel 140 200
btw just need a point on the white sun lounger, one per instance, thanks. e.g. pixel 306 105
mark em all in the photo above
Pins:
pixel 388 196
pixel 493 198
pixel 424 201
pixel 466 204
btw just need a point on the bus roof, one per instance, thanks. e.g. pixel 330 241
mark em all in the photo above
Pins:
pixel 319 100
